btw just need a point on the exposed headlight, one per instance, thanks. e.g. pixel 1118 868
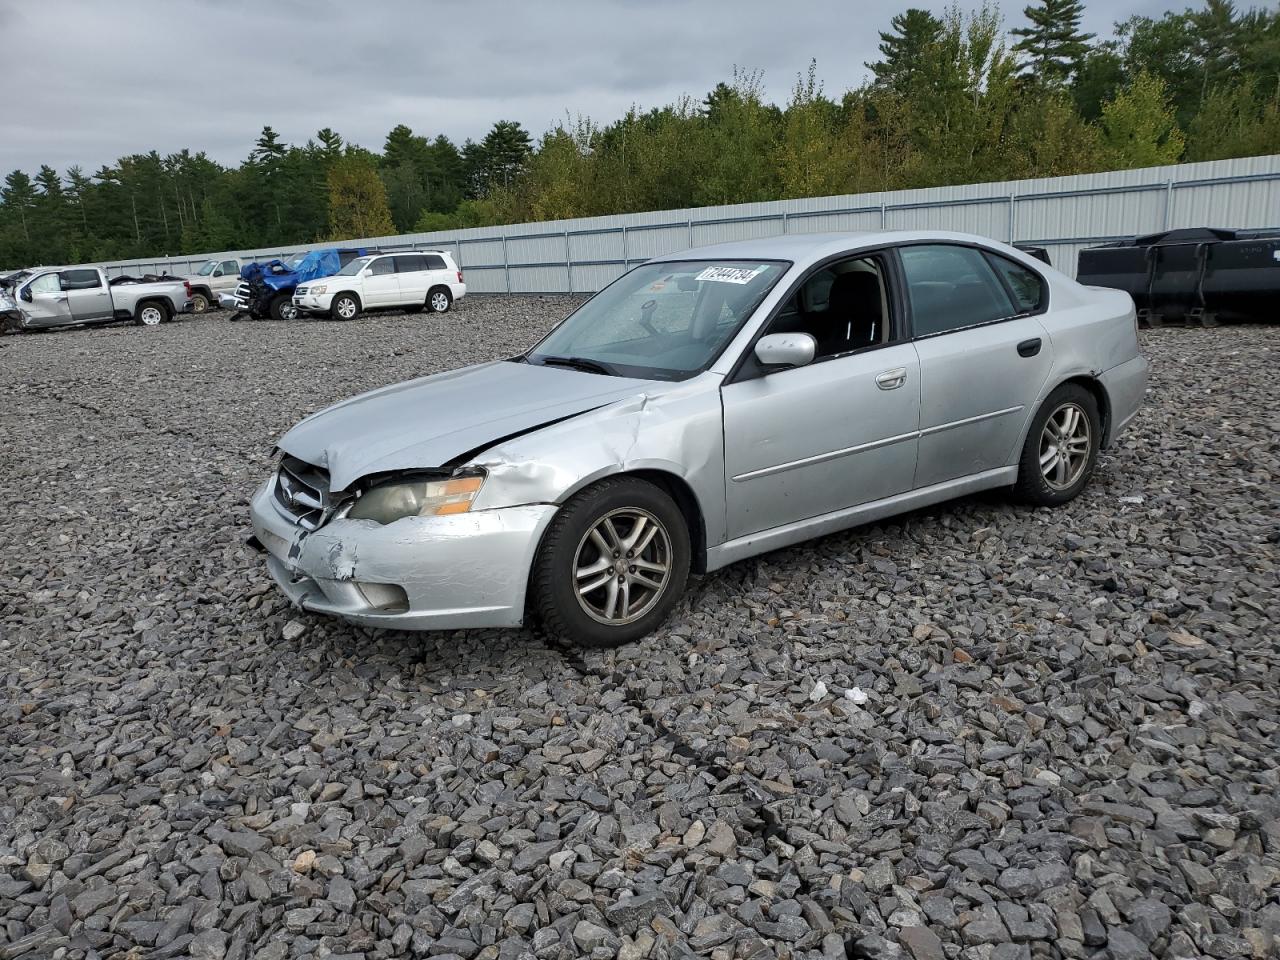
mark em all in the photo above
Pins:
pixel 314 290
pixel 416 498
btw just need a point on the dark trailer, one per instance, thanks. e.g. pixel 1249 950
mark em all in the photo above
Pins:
pixel 1199 275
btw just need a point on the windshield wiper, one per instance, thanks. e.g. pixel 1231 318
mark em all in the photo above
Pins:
pixel 579 363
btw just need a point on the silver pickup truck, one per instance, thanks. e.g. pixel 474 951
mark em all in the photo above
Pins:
pixel 63 296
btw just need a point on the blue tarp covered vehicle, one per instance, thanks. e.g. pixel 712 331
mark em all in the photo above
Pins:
pixel 266 289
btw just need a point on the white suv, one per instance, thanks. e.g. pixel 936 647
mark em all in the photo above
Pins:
pixel 403 281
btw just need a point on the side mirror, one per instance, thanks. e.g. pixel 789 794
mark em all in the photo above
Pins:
pixel 26 293
pixel 779 351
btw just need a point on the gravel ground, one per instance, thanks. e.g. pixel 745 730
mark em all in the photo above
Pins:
pixel 979 731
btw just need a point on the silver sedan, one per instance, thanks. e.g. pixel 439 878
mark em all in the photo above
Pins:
pixel 707 406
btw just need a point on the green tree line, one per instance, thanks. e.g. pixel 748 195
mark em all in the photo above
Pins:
pixel 955 97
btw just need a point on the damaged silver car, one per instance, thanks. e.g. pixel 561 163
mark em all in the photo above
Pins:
pixel 707 406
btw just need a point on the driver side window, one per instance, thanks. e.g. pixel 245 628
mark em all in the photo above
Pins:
pixel 844 306
pixel 47 283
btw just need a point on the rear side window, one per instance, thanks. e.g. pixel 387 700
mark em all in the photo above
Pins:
pixel 80 279
pixel 1025 284
pixel 229 267
pixel 950 288
pixel 383 266
pixel 410 263
pixel 435 262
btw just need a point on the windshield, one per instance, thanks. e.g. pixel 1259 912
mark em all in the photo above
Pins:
pixel 661 321
pixel 354 267
pixel 207 268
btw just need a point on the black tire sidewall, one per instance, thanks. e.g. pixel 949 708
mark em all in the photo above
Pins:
pixel 1031 486
pixel 553 588
pixel 333 307
pixel 279 304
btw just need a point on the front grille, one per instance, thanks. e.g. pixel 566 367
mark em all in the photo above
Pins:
pixel 242 290
pixel 302 491
pixel 300 292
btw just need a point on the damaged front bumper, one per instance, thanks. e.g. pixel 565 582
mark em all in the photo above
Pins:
pixel 420 573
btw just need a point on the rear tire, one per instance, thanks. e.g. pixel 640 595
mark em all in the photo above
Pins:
pixel 345 306
pixel 151 314
pixel 439 300
pixel 282 307
pixel 612 565
pixel 1061 448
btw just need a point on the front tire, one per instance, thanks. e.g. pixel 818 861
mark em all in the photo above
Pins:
pixel 612 565
pixel 439 300
pixel 282 308
pixel 345 306
pixel 1061 448
pixel 199 302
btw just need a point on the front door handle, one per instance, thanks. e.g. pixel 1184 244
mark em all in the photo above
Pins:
pixel 892 379
pixel 1029 348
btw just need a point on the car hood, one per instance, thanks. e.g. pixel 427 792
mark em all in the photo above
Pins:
pixel 426 423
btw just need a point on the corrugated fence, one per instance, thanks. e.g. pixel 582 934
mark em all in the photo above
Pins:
pixel 1063 214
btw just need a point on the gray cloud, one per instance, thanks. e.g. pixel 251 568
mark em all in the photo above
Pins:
pixel 90 82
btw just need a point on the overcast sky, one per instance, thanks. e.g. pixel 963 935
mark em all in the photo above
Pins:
pixel 93 80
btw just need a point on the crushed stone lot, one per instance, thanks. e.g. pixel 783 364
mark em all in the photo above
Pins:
pixel 978 731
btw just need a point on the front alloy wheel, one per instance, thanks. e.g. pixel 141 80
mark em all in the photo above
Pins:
pixel 623 566
pixel 344 307
pixel 612 565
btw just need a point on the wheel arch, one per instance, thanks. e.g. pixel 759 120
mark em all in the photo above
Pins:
pixel 674 486
pixel 1095 387
pixel 166 308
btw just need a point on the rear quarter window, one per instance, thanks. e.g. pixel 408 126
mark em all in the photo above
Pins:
pixel 1025 285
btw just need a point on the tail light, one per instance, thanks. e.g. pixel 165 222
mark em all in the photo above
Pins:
pixel 459 276
pixel 187 285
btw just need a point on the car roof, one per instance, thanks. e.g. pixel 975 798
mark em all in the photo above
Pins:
pixel 808 247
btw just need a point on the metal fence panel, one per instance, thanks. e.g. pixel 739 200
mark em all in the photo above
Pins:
pixel 646 242
pixel 1064 214
pixel 834 222
pixel 987 218
pixel 724 231
pixel 538 279
pixel 594 247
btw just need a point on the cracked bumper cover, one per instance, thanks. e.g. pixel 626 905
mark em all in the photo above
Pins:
pixel 469 570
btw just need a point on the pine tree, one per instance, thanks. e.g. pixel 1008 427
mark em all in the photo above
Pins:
pixel 19 196
pixel 1053 44
pixel 903 47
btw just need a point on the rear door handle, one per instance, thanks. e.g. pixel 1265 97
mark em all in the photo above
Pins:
pixel 892 379
pixel 1029 348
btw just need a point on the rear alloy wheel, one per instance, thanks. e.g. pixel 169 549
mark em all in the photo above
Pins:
pixel 1061 448
pixel 150 315
pixel 344 307
pixel 199 303
pixel 614 562
pixel 282 308
pixel 439 300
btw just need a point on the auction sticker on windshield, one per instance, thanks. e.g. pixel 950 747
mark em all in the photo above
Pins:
pixel 730 274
